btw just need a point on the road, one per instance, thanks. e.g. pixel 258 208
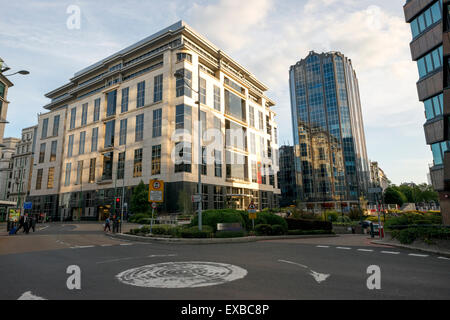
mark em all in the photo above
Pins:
pixel 320 268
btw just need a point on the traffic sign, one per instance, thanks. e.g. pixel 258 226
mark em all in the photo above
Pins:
pixel 154 205
pixel 252 211
pixel 27 205
pixel 196 198
pixel 156 191
pixel 375 190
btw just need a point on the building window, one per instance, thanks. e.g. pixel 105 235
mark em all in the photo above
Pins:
pixel 263 175
pixel 109 133
pixel 236 166
pixel 234 85
pixel 39 179
pixel 68 171
pixel 218 163
pixel 430 62
pixel 44 128
pixel 158 88
pixel 97 109
pixel 181 56
pixel 269 149
pixel 202 91
pixel 252 143
pixel 268 126
pixel 261 147
pixel 139 127
pixel 183 84
pixel 434 106
pixel 157 123
pixel 235 106
pixel 254 172
pixel 51 178
pixel 156 159
pixel 203 125
pixel 121 166
pixel 428 18
pixel 218 198
pixel 56 125
pixel 111 98
pixel 204 167
pixel 107 166
pixel 140 100
pixel 251 115
pixel 53 151
pixel 183 157
pixel 73 117
pixel 217 98
pixel 261 120
pixel 42 153
pixel 123 132
pixel 92 170
pixel 79 172
pixel 94 139
pixel 82 142
pixel 84 112
pixel 70 146
pixel 183 118
pixel 235 135
pixel 124 102
pixel 137 169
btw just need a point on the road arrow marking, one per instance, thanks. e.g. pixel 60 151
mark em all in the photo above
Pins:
pixel 319 277
pixel 30 296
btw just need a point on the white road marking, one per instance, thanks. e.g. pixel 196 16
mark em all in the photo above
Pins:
pixel 418 255
pixel 81 247
pixel 30 296
pixel 323 246
pixel 43 228
pixel 390 252
pixel 130 258
pixel 319 277
pixel 106 245
pixel 161 255
pixel 344 248
pixel 297 264
pixel 444 258
pixel 365 250
pixel 126 244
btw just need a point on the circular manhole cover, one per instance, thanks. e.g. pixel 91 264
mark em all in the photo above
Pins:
pixel 181 274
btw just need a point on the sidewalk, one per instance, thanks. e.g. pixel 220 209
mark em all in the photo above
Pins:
pixel 417 245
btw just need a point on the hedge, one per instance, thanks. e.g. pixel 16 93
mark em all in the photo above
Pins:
pixel 193 232
pixel 427 234
pixel 263 229
pixel 213 217
pixel 308 232
pixel 303 224
pixel 229 234
pixel 271 219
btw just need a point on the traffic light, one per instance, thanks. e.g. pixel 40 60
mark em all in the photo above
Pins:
pixel 117 202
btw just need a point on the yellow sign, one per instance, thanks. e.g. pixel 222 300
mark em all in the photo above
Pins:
pixel 252 215
pixel 156 191
pixel 14 215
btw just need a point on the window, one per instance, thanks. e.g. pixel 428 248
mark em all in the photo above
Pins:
pixel 121 166
pixel 263 175
pixel 204 167
pixel 269 149
pixel 111 98
pixel 139 127
pixel 434 106
pixel 251 115
pixel 68 171
pixel 109 133
pixel 50 178
pixel 252 143
pixel 123 132
pixel 84 112
pixel 426 19
pixel 203 124
pixel 235 135
pixel 202 91
pixel 94 139
pixel 92 170
pixel 183 156
pixel 268 126
pixel 217 98
pixel 140 94
pixel 275 135
pixel 70 146
pixel 73 117
pixel 39 179
pixel 42 153
pixel 82 142
pixel 137 169
pixel 107 166
pixel 430 62
pixel 183 84
pixel 44 128
pixel 97 110
pixel 181 56
pixel 56 125
pixel 236 166
pixel 235 106
pixel 183 119
pixel 234 85
pixel 124 102
pixel 254 172
pixel 218 198
pixel 156 159
pixel 261 147
pixel 53 151
pixel 157 123
pixel 158 88
pixel 79 172
pixel 261 120
pixel 218 163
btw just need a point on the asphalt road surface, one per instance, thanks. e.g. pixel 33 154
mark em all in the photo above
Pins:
pixel 35 266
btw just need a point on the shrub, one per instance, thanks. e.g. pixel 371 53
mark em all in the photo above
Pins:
pixel 308 232
pixel 427 234
pixel 213 217
pixel 355 213
pixel 303 224
pixel 343 219
pixel 137 217
pixel 411 219
pixel 263 229
pixel 193 232
pixel 164 229
pixel 229 234
pixel 278 230
pixel 331 216
pixel 271 219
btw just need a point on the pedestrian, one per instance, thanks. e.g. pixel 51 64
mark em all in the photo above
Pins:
pixel 33 223
pixel 27 224
pixel 107 224
pixel 115 224
pixel 21 223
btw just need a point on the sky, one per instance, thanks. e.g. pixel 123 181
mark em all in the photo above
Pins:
pixel 265 36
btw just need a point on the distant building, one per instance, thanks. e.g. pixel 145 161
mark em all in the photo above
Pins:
pixel 4 85
pixel 378 179
pixel 286 176
pixel 6 165
pixel 332 168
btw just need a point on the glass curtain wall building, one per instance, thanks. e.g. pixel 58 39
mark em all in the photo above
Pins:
pixel 332 168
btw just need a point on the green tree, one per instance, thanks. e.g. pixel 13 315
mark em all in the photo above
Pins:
pixel 139 199
pixel 392 195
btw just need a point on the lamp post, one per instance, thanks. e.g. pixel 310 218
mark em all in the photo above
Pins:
pixel 180 75
pixel 123 189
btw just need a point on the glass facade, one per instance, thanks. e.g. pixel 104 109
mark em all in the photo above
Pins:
pixel 330 152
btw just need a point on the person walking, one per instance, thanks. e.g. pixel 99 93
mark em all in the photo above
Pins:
pixel 33 223
pixel 107 224
pixel 27 224
pixel 21 224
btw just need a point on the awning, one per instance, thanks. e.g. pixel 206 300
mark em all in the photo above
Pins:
pixel 4 203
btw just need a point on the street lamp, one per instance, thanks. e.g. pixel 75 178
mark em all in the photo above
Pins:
pixel 22 72
pixel 123 189
pixel 180 75
pixel 3 121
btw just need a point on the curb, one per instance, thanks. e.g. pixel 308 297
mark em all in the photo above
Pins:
pixel 405 246
pixel 211 241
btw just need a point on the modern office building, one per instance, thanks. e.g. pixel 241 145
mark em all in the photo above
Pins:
pixel 286 176
pixel 331 164
pixel 430 49
pixel 128 118
pixel 19 185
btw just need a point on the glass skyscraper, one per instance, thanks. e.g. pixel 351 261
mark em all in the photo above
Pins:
pixel 332 168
